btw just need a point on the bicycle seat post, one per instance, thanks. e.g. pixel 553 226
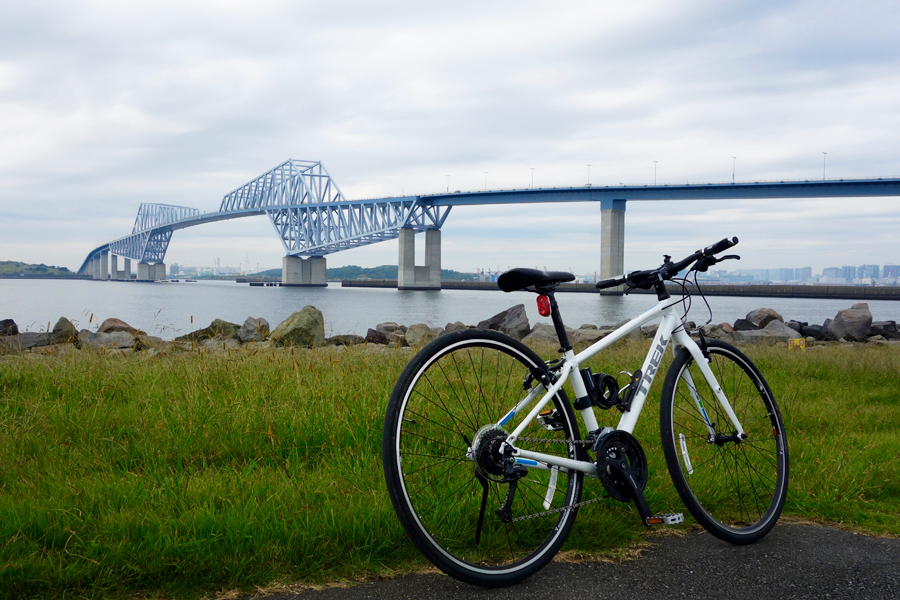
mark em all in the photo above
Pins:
pixel 550 292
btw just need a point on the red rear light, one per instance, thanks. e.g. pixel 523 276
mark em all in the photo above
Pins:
pixel 543 305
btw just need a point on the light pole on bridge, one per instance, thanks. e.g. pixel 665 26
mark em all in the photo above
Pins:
pixel 823 165
pixel 532 177
pixel 733 162
pixel 589 175
pixel 654 172
pixel 485 180
pixel 448 184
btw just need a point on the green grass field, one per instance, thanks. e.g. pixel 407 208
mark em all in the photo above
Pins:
pixel 187 475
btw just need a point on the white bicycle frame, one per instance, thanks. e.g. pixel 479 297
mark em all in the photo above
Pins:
pixel 670 327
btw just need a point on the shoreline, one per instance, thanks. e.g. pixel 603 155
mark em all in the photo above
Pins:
pixel 824 292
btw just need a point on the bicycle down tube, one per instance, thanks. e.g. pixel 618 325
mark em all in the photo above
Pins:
pixel 669 328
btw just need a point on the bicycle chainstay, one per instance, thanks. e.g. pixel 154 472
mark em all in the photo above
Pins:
pixel 564 508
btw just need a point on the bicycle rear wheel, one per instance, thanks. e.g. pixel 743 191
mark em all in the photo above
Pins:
pixel 444 467
pixel 734 488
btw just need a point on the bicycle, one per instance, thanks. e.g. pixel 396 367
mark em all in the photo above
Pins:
pixel 477 419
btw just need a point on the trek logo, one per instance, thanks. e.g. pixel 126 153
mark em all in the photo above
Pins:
pixel 655 359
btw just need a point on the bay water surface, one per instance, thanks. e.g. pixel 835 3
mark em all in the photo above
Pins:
pixel 171 309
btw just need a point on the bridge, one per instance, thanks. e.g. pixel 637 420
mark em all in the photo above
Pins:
pixel 313 218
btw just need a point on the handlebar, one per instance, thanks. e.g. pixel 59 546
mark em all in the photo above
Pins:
pixel 646 279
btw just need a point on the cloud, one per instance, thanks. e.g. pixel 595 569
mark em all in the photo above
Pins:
pixel 105 105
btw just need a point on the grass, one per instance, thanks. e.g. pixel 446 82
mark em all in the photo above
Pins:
pixel 190 474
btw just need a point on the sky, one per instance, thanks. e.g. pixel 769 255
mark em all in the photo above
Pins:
pixel 105 105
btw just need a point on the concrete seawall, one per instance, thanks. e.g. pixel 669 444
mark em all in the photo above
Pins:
pixel 838 292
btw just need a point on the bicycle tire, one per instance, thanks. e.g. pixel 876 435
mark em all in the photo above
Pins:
pixel 734 489
pixel 439 408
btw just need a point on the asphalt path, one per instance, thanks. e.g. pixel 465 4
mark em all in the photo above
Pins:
pixel 793 561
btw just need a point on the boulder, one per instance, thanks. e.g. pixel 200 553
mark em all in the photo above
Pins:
pixel 744 325
pixel 8 327
pixel 109 341
pixel 373 336
pixel 217 329
pixel 512 321
pixel 540 337
pixel 113 325
pixel 852 324
pixel 345 339
pixel 253 330
pixel 397 339
pixel 796 325
pixel 588 326
pixel 779 328
pixel 220 344
pixel 721 331
pixel 763 316
pixel 886 329
pixel 24 340
pixel 305 328
pixel 390 327
pixel 817 332
pixel 63 332
pixel 420 334
pixel 582 338
pixel 457 326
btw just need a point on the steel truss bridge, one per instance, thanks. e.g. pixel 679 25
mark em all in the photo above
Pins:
pixel 313 218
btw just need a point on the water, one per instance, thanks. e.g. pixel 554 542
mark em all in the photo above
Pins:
pixel 172 309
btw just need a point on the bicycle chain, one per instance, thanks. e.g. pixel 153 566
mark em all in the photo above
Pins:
pixel 564 508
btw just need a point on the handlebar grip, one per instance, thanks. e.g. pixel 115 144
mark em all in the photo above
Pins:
pixel 719 246
pixel 608 283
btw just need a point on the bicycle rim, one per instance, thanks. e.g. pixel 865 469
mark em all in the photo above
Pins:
pixel 735 489
pixel 450 402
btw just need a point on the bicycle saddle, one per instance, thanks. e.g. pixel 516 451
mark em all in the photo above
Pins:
pixel 521 278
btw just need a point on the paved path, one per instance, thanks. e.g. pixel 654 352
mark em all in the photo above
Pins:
pixel 793 561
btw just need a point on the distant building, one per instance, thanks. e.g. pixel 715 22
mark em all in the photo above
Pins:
pixel 868 272
pixel 890 272
pixel 173 269
pixel 848 272
pixel 832 273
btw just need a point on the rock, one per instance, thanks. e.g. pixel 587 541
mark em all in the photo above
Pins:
pixel 650 330
pixel 63 332
pixel 721 331
pixel 253 330
pixel 540 337
pixel 763 316
pixel 886 329
pixel 217 329
pixel 744 325
pixel 582 338
pixel 796 325
pixel 24 340
pixel 512 321
pixel 220 344
pixel 390 327
pixel 373 336
pixel 817 332
pixel 345 339
pixel 305 328
pixel 457 326
pixel 397 339
pixel 420 334
pixel 877 339
pixel 781 329
pixel 588 326
pixel 109 341
pixel 852 324
pixel 113 325
pixel 8 327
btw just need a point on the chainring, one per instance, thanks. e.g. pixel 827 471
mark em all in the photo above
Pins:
pixel 615 446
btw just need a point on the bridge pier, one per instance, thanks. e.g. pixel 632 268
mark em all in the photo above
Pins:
pixel 126 270
pixel 159 271
pixel 143 272
pixel 310 272
pixel 612 241
pixel 113 267
pixel 412 277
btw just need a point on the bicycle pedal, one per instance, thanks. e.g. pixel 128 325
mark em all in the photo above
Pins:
pixel 666 519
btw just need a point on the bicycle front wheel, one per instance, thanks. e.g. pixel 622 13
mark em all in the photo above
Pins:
pixel 735 488
pixel 442 450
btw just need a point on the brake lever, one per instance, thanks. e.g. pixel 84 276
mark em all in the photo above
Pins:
pixel 729 257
